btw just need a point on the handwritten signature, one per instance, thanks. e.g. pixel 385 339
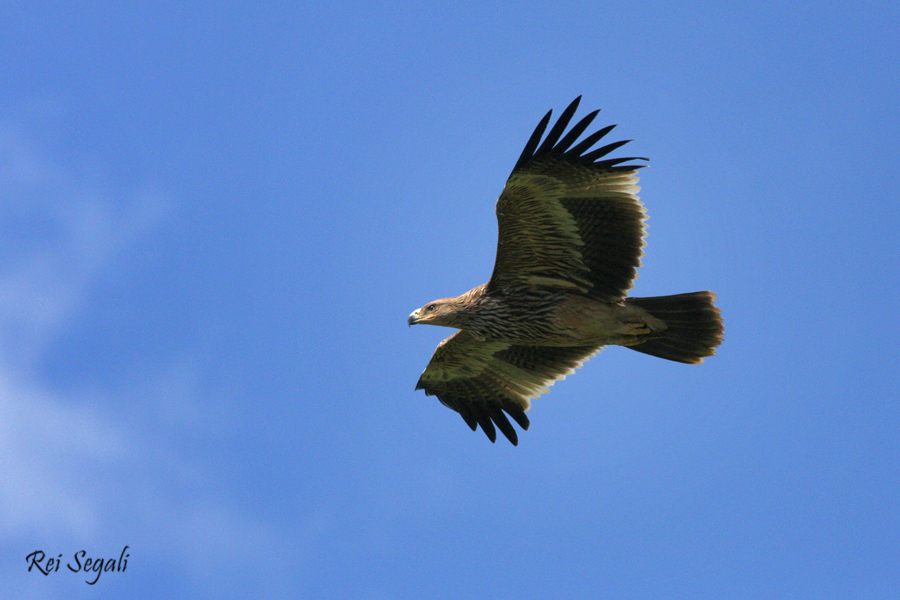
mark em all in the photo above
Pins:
pixel 82 563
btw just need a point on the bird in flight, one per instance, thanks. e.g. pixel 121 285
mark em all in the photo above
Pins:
pixel 571 233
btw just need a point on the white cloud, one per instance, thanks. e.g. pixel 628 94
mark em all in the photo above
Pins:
pixel 74 471
pixel 59 233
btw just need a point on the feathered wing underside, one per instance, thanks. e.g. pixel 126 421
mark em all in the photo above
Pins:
pixel 486 380
pixel 567 219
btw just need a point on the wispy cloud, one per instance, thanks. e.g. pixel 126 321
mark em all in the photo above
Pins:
pixel 60 232
pixel 69 464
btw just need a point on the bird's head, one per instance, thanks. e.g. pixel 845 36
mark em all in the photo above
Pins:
pixel 437 312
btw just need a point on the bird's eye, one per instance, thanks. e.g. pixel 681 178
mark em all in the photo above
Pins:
pixel 429 308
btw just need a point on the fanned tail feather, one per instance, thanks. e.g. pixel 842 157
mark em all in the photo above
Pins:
pixel 694 326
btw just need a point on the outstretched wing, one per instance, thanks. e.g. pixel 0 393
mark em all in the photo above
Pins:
pixel 568 220
pixel 482 379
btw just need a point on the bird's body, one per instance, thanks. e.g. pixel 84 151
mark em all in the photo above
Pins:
pixel 571 232
pixel 546 317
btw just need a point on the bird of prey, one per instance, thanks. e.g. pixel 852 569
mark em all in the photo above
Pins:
pixel 571 233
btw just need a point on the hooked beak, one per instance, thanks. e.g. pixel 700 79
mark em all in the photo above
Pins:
pixel 413 318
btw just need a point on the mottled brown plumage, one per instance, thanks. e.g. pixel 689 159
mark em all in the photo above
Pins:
pixel 571 233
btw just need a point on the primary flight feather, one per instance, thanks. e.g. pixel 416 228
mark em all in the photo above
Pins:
pixel 571 233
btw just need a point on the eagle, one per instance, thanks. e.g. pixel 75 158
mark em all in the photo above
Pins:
pixel 570 240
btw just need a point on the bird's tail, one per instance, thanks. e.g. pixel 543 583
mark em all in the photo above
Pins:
pixel 694 326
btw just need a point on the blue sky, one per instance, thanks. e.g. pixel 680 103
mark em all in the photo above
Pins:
pixel 216 217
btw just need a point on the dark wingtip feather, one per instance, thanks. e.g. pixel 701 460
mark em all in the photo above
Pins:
pixel 502 423
pixel 488 427
pixel 481 415
pixel 557 130
pixel 468 418
pixel 576 131
pixel 533 141
pixel 593 155
pixel 557 143
pixel 516 412
pixel 612 163
pixel 490 416
pixel 585 144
